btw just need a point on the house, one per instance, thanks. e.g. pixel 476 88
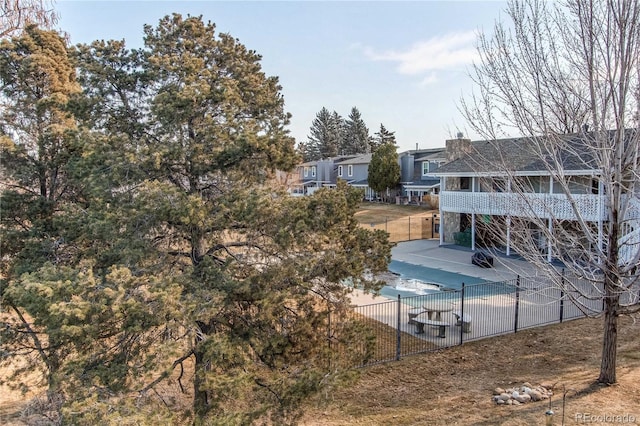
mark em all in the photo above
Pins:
pixel 417 172
pixel 474 191
pixel 314 175
pixel 355 171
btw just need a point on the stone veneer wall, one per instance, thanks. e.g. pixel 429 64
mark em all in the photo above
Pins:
pixel 455 148
pixel 451 224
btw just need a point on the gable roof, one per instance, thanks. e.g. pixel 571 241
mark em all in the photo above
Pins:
pixel 526 155
pixel 359 159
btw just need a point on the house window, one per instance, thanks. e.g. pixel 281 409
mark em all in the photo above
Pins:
pixel 340 171
pixel 350 170
pixel 425 168
pixel 306 172
pixel 313 171
pixel 465 183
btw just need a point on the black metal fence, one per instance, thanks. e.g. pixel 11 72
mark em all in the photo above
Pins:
pixel 424 323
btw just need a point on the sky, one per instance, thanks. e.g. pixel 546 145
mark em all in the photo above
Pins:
pixel 402 64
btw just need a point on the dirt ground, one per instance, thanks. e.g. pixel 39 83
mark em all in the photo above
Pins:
pixel 454 386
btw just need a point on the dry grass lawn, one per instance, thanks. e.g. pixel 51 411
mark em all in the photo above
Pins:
pixel 454 386
pixel 378 212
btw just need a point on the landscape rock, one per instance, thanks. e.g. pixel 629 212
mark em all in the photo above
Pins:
pixel 535 395
pixel 520 394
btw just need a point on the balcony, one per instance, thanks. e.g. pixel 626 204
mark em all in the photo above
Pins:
pixel 590 207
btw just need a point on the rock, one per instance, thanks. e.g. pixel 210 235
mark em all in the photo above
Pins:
pixel 500 402
pixel 509 402
pixel 526 385
pixel 515 402
pixel 535 395
pixel 515 394
pixel 505 396
pixel 498 391
pixel 524 398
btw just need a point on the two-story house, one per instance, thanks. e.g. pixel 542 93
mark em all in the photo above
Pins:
pixel 355 171
pixel 474 190
pixel 417 172
pixel 314 175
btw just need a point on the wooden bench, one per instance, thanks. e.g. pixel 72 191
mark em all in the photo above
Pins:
pixel 463 321
pixel 420 321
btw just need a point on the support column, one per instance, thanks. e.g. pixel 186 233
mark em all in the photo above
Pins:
pixel 508 235
pixel 443 187
pixel 509 220
pixel 600 217
pixel 473 232
pixel 473 217
pixel 550 226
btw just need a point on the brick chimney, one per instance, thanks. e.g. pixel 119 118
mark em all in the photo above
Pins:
pixel 456 148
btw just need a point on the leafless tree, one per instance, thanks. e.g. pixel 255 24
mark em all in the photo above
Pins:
pixel 16 14
pixel 566 77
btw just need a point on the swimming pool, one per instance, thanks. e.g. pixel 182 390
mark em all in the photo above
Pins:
pixel 417 280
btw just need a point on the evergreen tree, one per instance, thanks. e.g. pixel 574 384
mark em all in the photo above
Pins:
pixel 384 169
pixel 356 138
pixel 38 150
pixel 174 247
pixel 382 137
pixel 325 137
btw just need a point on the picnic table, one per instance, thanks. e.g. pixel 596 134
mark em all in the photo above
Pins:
pixel 433 309
pixel 430 313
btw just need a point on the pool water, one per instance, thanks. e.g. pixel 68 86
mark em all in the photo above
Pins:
pixel 416 280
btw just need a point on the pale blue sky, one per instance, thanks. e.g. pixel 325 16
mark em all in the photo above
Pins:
pixel 403 64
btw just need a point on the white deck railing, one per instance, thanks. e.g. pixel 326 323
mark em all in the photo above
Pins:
pixel 558 206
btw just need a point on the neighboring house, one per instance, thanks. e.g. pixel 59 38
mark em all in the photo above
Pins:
pixel 472 192
pixel 314 175
pixel 355 171
pixel 417 173
pixel 417 170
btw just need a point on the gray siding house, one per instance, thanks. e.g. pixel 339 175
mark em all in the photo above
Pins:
pixel 418 170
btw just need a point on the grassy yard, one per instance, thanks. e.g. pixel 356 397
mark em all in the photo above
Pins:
pixel 402 223
pixel 379 212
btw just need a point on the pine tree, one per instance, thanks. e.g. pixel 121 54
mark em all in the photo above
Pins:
pixel 175 245
pixel 356 138
pixel 39 148
pixel 325 137
pixel 382 137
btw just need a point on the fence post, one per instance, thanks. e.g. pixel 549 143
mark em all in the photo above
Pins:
pixel 461 313
pixel 409 228
pixel 515 325
pixel 398 333
pixel 562 295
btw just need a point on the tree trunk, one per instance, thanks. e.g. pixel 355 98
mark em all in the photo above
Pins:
pixel 610 335
pixel 200 395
